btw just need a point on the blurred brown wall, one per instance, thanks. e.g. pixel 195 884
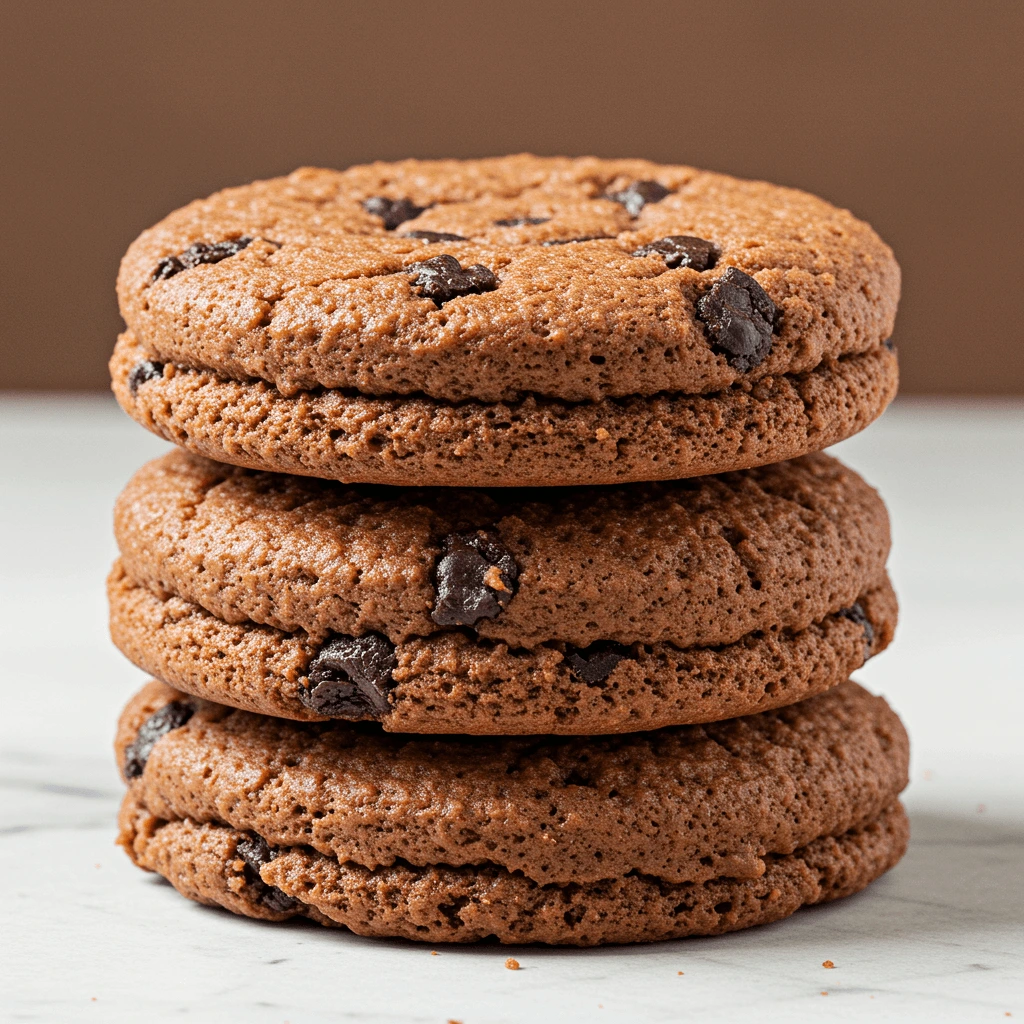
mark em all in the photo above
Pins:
pixel 908 113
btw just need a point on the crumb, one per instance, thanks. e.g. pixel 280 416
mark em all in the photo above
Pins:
pixel 827 964
pixel 512 964
pixel 95 865
pixel 928 775
pixel 433 952
pixel 492 579
pixel 92 999
pixel 824 993
pixel 679 972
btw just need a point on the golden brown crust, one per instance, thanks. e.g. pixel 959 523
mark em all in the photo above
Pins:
pixel 439 903
pixel 452 683
pixel 419 441
pixel 323 298
pixel 686 804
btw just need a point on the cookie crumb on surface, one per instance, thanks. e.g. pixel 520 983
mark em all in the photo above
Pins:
pixel 827 964
pixel 512 964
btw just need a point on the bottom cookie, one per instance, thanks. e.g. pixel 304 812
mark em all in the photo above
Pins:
pixel 218 865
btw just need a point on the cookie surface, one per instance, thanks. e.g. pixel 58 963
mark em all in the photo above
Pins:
pixel 692 830
pixel 644 321
pixel 583 611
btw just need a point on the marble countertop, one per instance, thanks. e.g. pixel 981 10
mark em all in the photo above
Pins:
pixel 87 937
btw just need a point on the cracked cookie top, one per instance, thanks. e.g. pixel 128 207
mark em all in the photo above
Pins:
pixel 703 561
pixel 494 279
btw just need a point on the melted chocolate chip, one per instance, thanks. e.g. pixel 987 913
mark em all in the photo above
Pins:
pixel 255 852
pixel 351 677
pixel 740 317
pixel 143 371
pixel 443 278
pixel 638 195
pixel 855 613
pixel 475 578
pixel 196 253
pixel 434 236
pixel 392 211
pixel 595 663
pixel 159 724
pixel 518 222
pixel 571 241
pixel 682 251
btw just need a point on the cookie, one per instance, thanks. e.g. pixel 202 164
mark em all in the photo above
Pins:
pixel 578 611
pixel 516 321
pixel 693 830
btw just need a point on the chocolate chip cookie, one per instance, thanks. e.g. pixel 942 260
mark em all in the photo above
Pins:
pixel 575 611
pixel 693 830
pixel 514 321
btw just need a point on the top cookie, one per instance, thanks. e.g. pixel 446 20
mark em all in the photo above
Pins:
pixel 519 288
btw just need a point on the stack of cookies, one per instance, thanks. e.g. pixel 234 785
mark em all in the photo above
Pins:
pixel 498 587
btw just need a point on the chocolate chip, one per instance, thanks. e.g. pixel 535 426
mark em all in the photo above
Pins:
pixel 638 195
pixel 518 222
pixel 475 578
pixel 351 677
pixel 595 663
pixel 434 236
pixel 171 716
pixel 682 251
pixel 443 277
pixel 740 317
pixel 890 344
pixel 392 211
pixel 196 253
pixel 855 613
pixel 570 241
pixel 143 371
pixel 255 852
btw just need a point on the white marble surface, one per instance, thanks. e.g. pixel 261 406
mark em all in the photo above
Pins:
pixel 87 937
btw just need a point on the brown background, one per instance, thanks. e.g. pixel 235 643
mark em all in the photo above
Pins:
pixel 908 113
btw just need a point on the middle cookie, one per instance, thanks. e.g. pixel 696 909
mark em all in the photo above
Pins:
pixel 581 611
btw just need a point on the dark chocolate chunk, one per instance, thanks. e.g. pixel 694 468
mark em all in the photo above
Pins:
pixel 159 724
pixel 638 195
pixel 392 211
pixel 351 677
pixel 855 613
pixel 570 241
pixel 434 236
pixel 255 852
pixel 682 251
pixel 740 318
pixel 595 663
pixel 890 344
pixel 474 579
pixel 143 371
pixel 196 253
pixel 443 278
pixel 518 222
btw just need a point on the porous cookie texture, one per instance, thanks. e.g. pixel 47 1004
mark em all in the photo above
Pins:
pixel 506 611
pixel 535 442
pixel 691 830
pixel 453 683
pixel 507 321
